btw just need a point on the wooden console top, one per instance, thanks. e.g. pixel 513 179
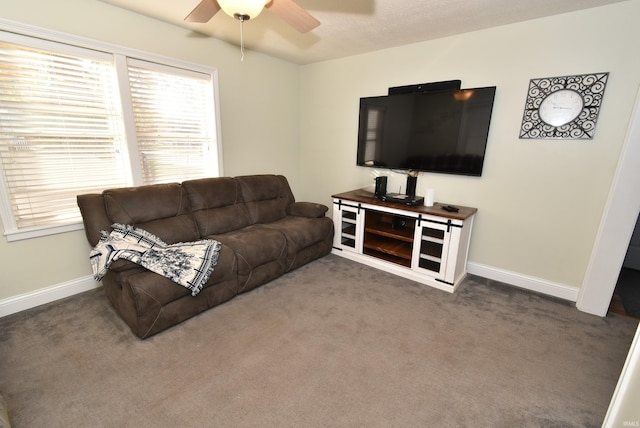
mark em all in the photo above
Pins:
pixel 366 197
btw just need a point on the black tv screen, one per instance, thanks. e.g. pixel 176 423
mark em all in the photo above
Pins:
pixel 444 131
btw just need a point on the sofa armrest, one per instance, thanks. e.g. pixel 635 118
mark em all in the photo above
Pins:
pixel 94 216
pixel 307 209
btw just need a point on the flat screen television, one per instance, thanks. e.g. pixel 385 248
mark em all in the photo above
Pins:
pixel 444 131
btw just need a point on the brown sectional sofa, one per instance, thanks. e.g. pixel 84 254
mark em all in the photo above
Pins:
pixel 264 233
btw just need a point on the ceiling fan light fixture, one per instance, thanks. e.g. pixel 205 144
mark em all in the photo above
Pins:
pixel 242 9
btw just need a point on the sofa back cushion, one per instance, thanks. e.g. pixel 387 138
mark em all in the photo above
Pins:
pixel 217 205
pixel 266 197
pixel 162 209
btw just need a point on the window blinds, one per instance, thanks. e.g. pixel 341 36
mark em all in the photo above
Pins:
pixel 174 122
pixel 60 132
pixel 77 120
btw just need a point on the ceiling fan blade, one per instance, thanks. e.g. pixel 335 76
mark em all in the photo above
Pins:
pixel 203 12
pixel 293 15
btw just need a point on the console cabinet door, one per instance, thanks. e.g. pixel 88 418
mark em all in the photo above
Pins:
pixel 431 247
pixel 348 221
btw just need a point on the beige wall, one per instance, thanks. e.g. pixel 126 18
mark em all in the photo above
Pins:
pixel 259 101
pixel 540 201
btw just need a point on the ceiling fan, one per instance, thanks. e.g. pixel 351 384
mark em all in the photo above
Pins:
pixel 244 10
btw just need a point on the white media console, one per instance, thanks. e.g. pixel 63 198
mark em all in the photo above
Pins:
pixel 425 244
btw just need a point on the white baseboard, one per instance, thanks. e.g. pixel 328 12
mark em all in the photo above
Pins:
pixel 25 301
pixel 538 285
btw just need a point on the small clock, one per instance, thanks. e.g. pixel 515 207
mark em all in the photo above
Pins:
pixel 563 107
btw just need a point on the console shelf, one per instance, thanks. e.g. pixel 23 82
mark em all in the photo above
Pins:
pixel 382 224
pixel 425 244
pixel 397 249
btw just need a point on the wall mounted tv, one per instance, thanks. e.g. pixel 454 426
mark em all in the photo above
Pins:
pixel 442 131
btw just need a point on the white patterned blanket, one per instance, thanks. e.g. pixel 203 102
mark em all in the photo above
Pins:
pixel 189 264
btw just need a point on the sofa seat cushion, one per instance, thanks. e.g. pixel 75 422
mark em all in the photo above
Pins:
pixel 148 286
pixel 255 246
pixel 302 232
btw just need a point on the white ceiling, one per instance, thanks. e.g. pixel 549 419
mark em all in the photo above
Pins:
pixel 350 27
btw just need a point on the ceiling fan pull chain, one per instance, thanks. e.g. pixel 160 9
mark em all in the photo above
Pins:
pixel 241 40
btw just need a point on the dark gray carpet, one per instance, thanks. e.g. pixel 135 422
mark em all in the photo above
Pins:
pixel 332 344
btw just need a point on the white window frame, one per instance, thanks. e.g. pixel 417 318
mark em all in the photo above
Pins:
pixel 120 54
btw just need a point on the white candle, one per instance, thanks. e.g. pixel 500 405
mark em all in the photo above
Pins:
pixel 429 197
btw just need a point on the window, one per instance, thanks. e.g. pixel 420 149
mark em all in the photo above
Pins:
pixel 173 120
pixel 79 120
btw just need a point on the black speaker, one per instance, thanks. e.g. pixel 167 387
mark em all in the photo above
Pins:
pixel 411 186
pixel 381 186
pixel 426 87
pixel 398 222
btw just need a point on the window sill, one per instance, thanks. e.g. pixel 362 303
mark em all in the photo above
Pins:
pixel 19 235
